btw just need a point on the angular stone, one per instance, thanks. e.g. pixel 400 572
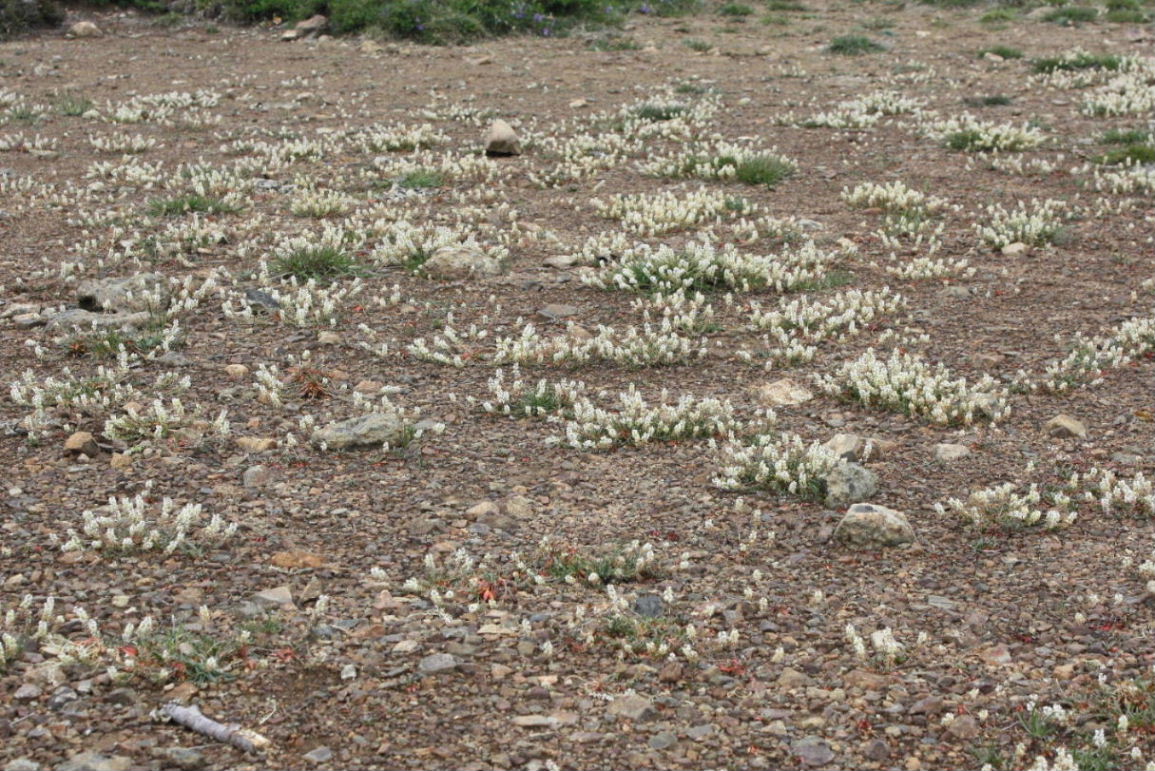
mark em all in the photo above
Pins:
pixel 846 446
pixel 631 706
pixel 94 761
pixel 256 443
pixel 501 140
pixel 435 663
pixel 275 597
pixel 663 740
pixel 534 721
pixel 1065 427
pixel 949 452
pixel 146 292
pixel 867 525
pixel 81 442
pixel 27 692
pixel 256 476
pixel 849 483
pixel 648 605
pixel 963 727
pixel 792 678
pixel 374 428
pixel 868 681
pixel 85 29
pixel 22 764
pixel 185 758
pixel 1018 247
pixel 812 751
pixel 782 393
pixel 461 261
pixel 555 311
pixel 318 755
pixel 296 559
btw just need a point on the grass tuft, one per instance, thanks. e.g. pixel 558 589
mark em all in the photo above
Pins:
pixel 853 45
pixel 318 262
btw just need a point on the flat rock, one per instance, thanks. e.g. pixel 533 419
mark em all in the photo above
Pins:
pixel 1065 427
pixel 950 452
pixel 185 758
pixel 782 393
pixel 663 740
pixel 869 526
pixel 318 755
pixel 81 442
pixel 649 605
pixel 555 311
pixel 84 29
pixel 296 559
pixel 631 706
pixel 534 721
pixel 963 727
pixel 849 483
pixel 792 678
pixel 461 261
pixel 256 443
pixel 146 292
pixel 78 318
pixel 27 692
pixel 256 476
pixel 1018 247
pixel 94 761
pixel 846 446
pixel 435 663
pixel 812 751
pixel 501 140
pixel 375 428
pixel 22 764
pixel 275 597
pixel 866 680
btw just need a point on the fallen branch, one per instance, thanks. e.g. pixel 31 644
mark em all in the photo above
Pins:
pixel 191 717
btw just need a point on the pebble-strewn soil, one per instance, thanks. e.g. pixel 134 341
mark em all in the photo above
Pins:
pixel 729 648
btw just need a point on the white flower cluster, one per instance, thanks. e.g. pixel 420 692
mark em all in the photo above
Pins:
pixel 894 197
pixel 685 313
pixel 582 155
pixel 21 625
pixel 1036 224
pixel 908 384
pixel 131 524
pixel 967 132
pixel 450 346
pixel 474 168
pixel 165 109
pixel 636 422
pixel 1003 506
pixel 312 202
pixel 780 463
pixel 1126 180
pixel 699 265
pixel 1090 357
pixel 22 144
pixel 157 421
pixel 134 173
pixel 393 137
pixel 716 160
pixel 300 304
pixel 649 346
pixel 122 143
pixel 1127 93
pixel 1026 167
pixel 924 267
pixel 92 394
pixel 403 243
pixel 667 211
pixel 518 398
pixel 1135 497
pixel 852 114
pixel 1146 571
pixel 797 326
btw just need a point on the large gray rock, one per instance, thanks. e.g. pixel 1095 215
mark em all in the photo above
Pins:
pixel 142 292
pixel 631 706
pixel 501 139
pixel 461 261
pixel 435 663
pixel 846 446
pixel 374 428
pixel 849 483
pixel 782 393
pixel 869 526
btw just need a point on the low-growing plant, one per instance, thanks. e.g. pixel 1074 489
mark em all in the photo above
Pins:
pixel 1001 51
pixel 192 203
pixel 1118 136
pixel 781 463
pixel 422 179
pixel 73 105
pixel 635 422
pixel 694 44
pixel 1136 154
pixel 908 384
pixel 1078 60
pixel 737 10
pixel 1072 15
pixel 321 263
pixel 854 45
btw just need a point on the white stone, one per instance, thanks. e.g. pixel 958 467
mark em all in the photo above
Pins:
pixel 867 525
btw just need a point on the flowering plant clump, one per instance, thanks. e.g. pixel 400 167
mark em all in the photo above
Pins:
pixel 518 398
pixel 700 266
pixel 966 132
pixel 1004 507
pixel 665 212
pixel 1039 223
pixel 908 384
pixel 777 462
pixel 649 346
pixel 1090 357
pixel 636 422
pixel 129 524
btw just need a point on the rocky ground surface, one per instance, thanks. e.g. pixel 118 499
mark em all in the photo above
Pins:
pixel 381 573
